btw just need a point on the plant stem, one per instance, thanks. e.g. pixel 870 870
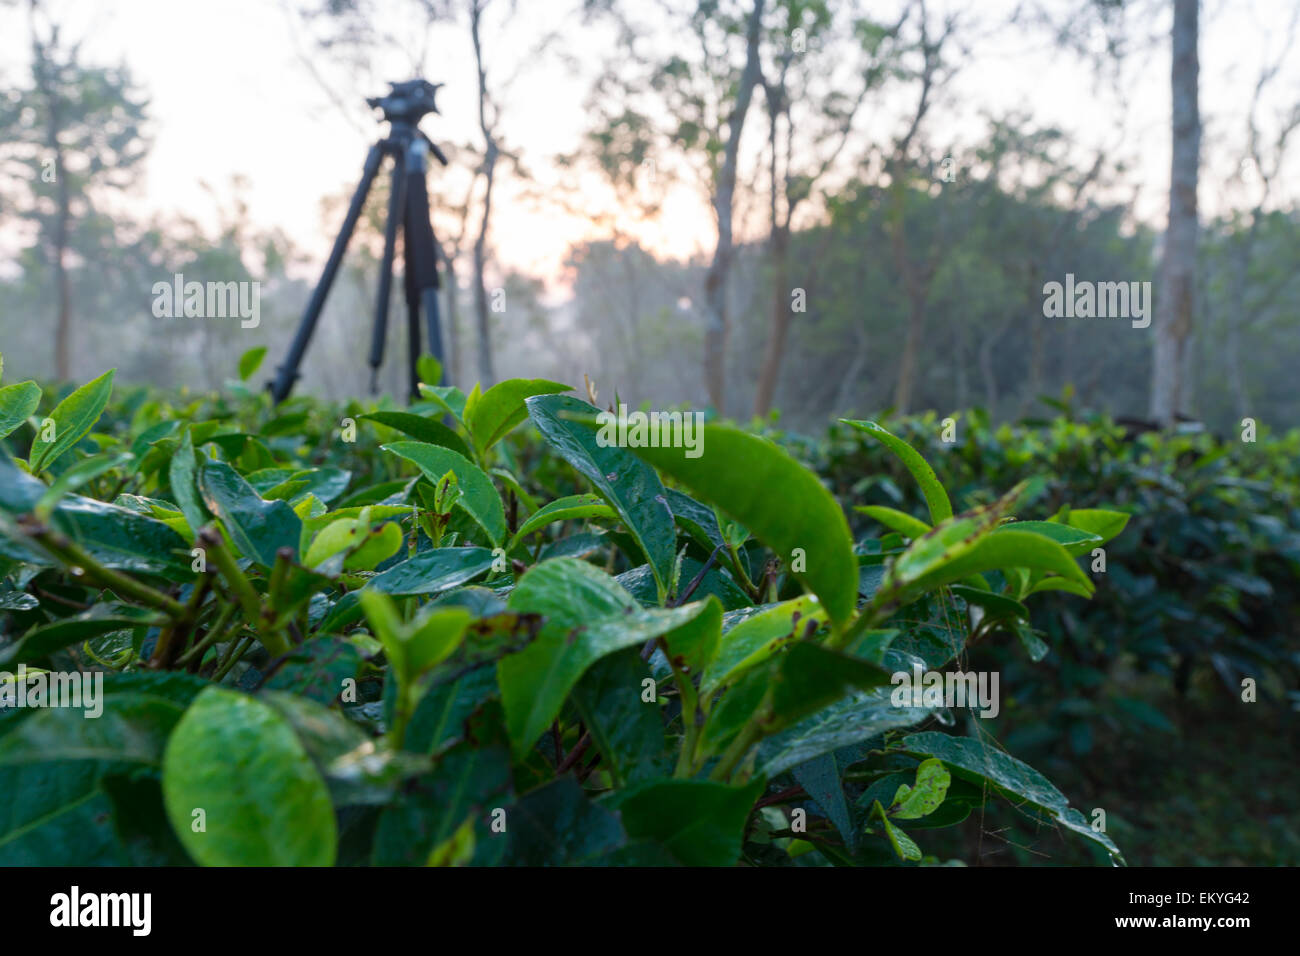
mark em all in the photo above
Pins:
pixel 212 637
pixel 690 709
pixel 74 555
pixel 685 596
pixel 242 588
pixel 237 650
pixel 866 619
pixel 401 716
pixel 785 796
pixel 745 582
pixel 171 637
pixel 239 585
pixel 574 755
pixel 750 734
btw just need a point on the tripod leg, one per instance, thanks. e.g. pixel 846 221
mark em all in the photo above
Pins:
pixel 421 261
pixel 412 310
pixel 287 373
pixel 396 205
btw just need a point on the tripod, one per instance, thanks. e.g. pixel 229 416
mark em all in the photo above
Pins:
pixel 408 205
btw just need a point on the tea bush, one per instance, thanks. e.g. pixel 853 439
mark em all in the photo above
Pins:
pixel 365 635
pixel 1206 576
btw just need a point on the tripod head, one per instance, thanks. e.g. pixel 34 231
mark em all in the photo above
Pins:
pixel 404 107
pixel 406 102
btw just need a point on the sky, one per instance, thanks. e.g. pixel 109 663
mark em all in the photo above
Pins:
pixel 232 95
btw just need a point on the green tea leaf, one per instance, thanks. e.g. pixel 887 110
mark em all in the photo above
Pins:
pixel 86 470
pixel 120 539
pixel 73 418
pixel 587 616
pixel 856 718
pixel 428 430
pixel 251 361
pixel 417 646
pixel 630 486
pixel 478 497
pixel 17 404
pixel 182 475
pixel 127 728
pixel 259 528
pixel 931 488
pixel 1021 784
pixel 700 822
pixel 798 683
pixel 1074 540
pixel 431 572
pixel 903 844
pixel 822 779
pixel 914 802
pixel 447 397
pixel 780 501
pixel 264 803
pixel 1105 524
pixel 43 640
pixel 498 410
pixel 56 814
pixel 628 731
pixel 572 508
pixel 895 520
pixel 758 637
pixel 1006 549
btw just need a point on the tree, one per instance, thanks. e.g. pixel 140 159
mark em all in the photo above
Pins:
pixel 704 98
pixel 73 132
pixel 1170 389
pixel 804 93
pixel 715 281
pixel 1255 289
pixel 488 118
pixel 901 169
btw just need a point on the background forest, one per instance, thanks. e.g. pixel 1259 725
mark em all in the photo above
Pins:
pixel 809 206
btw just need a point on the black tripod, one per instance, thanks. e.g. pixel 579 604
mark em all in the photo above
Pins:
pixel 408 204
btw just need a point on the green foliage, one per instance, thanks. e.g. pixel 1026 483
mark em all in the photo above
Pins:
pixel 1201 541
pixel 236 761
pixel 71 419
pixel 472 648
pixel 17 402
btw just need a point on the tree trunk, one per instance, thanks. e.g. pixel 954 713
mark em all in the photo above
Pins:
pixel 911 348
pixel 63 209
pixel 775 350
pixel 63 327
pixel 485 373
pixel 989 376
pixel 452 376
pixel 1170 391
pixel 843 404
pixel 715 282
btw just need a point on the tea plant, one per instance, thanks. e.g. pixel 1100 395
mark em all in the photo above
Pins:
pixel 370 635
pixel 1205 579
